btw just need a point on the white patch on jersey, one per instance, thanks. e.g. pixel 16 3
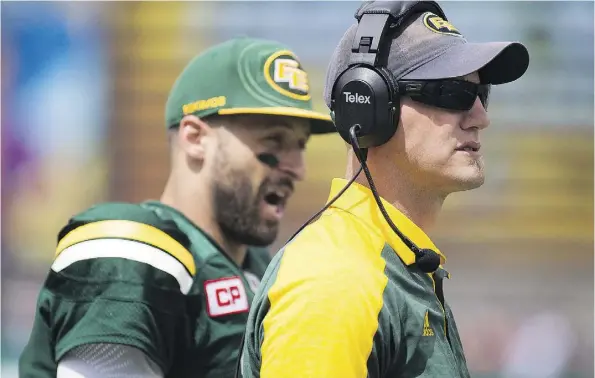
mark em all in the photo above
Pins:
pixel 253 281
pixel 125 249
pixel 226 296
pixel 107 360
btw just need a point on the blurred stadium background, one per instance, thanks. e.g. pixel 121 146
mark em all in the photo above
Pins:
pixel 83 92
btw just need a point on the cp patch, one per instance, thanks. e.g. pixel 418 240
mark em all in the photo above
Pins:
pixel 226 296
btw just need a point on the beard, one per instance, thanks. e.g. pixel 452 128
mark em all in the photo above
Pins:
pixel 237 210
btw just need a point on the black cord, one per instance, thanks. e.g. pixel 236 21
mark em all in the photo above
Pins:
pixel 362 155
pixel 327 205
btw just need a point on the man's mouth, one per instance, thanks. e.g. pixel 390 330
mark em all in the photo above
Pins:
pixel 277 197
pixel 469 147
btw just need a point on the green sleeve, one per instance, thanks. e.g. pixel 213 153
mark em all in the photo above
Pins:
pixel 120 275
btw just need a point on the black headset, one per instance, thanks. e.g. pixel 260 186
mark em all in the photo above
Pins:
pixel 365 100
pixel 366 92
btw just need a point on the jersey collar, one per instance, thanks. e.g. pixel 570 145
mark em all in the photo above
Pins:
pixel 359 201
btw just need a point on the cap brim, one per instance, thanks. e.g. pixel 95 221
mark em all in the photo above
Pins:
pixel 496 62
pixel 321 123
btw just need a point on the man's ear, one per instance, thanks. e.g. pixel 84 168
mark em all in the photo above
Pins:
pixel 193 136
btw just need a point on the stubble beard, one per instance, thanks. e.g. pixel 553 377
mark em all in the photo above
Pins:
pixel 237 210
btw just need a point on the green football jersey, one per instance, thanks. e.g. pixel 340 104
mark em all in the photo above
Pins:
pixel 344 299
pixel 143 275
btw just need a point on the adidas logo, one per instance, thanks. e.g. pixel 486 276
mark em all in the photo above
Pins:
pixel 428 331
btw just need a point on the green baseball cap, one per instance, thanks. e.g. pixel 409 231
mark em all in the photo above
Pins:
pixel 245 76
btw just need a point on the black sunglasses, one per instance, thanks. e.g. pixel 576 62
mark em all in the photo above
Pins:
pixel 449 94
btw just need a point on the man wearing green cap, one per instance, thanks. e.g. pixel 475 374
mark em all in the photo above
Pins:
pixel 163 288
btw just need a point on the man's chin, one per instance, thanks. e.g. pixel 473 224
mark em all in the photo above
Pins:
pixel 265 236
pixel 470 182
pixel 262 241
pixel 460 181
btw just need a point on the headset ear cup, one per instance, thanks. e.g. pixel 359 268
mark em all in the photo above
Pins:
pixel 388 126
pixel 362 95
pixel 390 80
pixel 395 99
pixel 336 116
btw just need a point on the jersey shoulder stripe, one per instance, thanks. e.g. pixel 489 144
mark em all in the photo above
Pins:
pixel 132 231
pixel 126 249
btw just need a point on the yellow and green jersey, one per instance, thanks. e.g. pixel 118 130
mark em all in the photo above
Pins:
pixel 145 276
pixel 344 299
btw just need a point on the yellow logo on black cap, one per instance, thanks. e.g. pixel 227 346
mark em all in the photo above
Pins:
pixel 439 25
pixel 284 73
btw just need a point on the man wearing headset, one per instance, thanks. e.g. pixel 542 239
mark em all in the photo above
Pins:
pixel 162 288
pixel 358 293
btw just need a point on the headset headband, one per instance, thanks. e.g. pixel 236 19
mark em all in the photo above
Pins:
pixel 375 18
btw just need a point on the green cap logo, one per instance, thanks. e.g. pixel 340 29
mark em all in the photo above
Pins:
pixel 284 73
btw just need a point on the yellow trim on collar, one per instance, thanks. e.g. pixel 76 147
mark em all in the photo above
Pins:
pixel 359 201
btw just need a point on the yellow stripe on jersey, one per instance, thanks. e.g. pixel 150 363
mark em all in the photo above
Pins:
pixel 124 229
pixel 325 302
pixel 125 249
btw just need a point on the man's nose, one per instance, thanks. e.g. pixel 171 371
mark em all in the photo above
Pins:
pixel 477 116
pixel 293 164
